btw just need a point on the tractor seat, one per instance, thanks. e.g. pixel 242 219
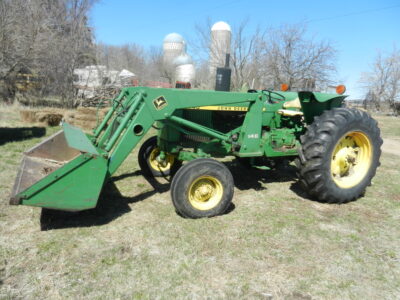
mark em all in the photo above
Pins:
pixel 289 113
pixel 295 103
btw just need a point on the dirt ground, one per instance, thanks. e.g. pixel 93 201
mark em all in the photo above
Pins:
pixel 274 242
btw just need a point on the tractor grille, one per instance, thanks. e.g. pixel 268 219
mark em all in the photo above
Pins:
pixel 196 138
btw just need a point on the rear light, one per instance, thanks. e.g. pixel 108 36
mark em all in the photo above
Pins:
pixel 340 89
pixel 284 87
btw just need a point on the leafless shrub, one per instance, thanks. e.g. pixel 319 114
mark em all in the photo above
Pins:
pixel 382 82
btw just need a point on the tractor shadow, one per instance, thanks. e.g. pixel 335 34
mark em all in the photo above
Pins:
pixel 247 178
pixel 112 204
pixel 299 191
pixel 20 133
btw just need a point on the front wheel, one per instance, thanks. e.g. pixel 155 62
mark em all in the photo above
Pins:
pixel 339 155
pixel 150 166
pixel 202 188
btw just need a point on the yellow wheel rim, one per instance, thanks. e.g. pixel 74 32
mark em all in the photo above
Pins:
pixel 205 193
pixel 351 159
pixel 160 166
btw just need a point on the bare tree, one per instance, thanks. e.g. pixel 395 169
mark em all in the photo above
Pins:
pixel 19 29
pixel 128 56
pixel 70 45
pixel 147 64
pixel 292 58
pixel 246 57
pixel 245 53
pixel 266 59
pixel 48 37
pixel 156 68
pixel 382 82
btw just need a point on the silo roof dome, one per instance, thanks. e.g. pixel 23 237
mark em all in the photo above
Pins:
pixel 173 38
pixel 221 26
pixel 183 59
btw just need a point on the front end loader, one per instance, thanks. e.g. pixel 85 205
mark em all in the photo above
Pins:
pixel 336 149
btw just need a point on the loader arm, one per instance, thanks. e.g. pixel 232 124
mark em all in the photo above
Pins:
pixel 144 106
pixel 67 170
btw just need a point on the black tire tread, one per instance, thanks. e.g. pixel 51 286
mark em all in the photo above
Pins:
pixel 197 166
pixel 317 145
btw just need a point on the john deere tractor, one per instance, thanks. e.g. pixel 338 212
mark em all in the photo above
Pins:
pixel 337 149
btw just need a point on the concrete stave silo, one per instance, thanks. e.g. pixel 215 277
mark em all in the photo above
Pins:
pixel 221 34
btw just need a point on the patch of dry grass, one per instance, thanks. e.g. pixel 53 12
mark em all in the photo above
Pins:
pixel 389 126
pixel 274 243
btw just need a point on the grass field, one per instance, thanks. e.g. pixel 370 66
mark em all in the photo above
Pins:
pixel 273 244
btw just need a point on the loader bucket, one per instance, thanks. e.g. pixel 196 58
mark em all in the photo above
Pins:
pixel 64 172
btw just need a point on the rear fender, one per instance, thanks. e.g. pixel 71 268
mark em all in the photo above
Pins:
pixel 314 104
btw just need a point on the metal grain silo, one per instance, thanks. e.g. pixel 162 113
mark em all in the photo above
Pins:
pixel 184 69
pixel 173 46
pixel 220 45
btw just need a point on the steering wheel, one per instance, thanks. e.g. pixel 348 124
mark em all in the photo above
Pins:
pixel 274 97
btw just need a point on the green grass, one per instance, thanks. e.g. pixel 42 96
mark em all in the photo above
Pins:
pixel 274 243
pixel 389 126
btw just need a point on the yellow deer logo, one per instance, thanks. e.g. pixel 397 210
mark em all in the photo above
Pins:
pixel 160 103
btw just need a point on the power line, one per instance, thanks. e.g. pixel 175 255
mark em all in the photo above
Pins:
pixel 354 13
pixel 211 9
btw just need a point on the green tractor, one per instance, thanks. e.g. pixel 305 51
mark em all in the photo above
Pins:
pixel 336 149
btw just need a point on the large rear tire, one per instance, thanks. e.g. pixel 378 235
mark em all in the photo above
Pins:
pixel 148 163
pixel 202 188
pixel 339 155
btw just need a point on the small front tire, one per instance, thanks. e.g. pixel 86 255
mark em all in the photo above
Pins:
pixel 202 188
pixel 148 163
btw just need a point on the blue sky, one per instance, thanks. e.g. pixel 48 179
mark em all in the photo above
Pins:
pixel 358 29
